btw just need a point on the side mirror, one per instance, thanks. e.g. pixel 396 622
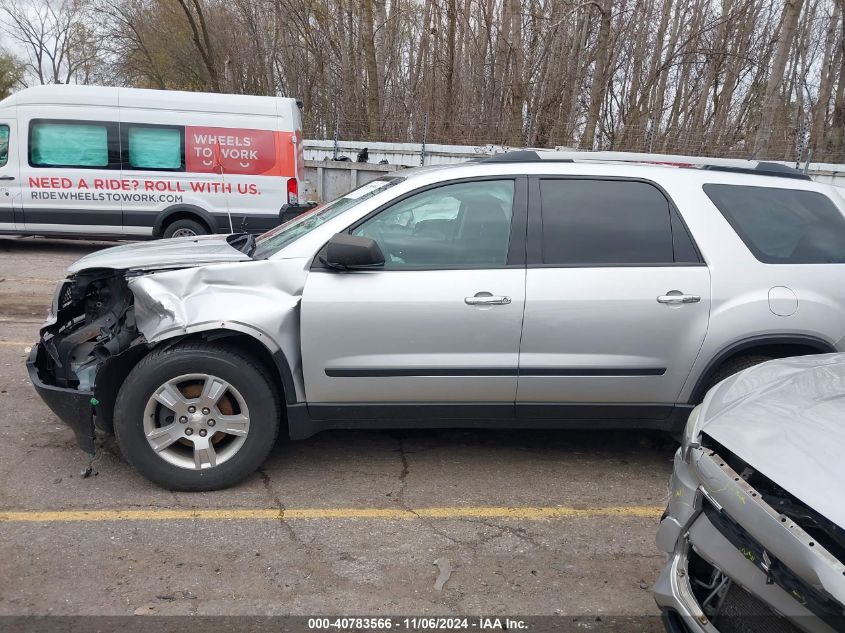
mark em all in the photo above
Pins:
pixel 344 252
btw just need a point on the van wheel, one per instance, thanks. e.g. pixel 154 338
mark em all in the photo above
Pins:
pixel 196 416
pixel 184 228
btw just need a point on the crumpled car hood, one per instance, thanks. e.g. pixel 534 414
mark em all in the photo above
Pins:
pixel 173 253
pixel 786 418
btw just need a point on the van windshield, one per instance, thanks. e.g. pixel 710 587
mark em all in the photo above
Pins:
pixel 275 239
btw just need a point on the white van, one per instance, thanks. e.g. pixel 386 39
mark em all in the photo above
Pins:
pixel 122 162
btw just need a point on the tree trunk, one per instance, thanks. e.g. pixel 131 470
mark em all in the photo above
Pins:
pixel 789 20
pixel 449 96
pixel 599 85
pixel 836 142
pixel 819 116
pixel 517 80
pixel 202 40
pixel 373 97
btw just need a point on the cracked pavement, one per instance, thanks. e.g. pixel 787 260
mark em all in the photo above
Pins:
pixel 584 566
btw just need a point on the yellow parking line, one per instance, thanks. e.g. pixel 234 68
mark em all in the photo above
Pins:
pixel 37 280
pixel 524 513
pixel 15 344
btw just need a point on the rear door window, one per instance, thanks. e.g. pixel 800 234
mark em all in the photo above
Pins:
pixel 85 144
pixel 154 147
pixel 783 226
pixel 605 222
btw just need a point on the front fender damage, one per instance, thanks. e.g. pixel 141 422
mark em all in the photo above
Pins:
pixel 258 298
pixel 103 321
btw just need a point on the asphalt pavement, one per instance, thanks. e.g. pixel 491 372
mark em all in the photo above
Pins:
pixel 366 523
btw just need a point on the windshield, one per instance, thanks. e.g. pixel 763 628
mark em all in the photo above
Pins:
pixel 275 239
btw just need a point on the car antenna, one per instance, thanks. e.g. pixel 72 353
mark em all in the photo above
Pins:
pixel 219 157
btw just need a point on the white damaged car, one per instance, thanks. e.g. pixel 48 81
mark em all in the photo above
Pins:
pixel 754 527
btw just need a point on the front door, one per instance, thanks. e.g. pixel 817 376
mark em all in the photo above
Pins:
pixel 440 322
pixel 617 301
pixel 10 191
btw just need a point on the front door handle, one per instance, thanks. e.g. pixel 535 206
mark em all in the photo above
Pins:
pixel 675 297
pixel 486 299
pixel 7 177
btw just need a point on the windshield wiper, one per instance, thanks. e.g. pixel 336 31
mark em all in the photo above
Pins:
pixel 249 247
pixel 244 242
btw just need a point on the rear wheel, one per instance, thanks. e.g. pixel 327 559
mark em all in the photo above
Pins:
pixel 196 416
pixel 184 228
pixel 734 366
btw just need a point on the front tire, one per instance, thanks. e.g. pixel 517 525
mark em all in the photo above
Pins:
pixel 196 416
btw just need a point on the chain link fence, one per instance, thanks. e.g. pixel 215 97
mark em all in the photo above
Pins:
pixel 790 144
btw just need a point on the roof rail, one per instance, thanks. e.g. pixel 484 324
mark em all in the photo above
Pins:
pixel 527 156
pixel 759 168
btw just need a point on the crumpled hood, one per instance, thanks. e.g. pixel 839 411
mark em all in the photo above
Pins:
pixel 786 418
pixel 173 253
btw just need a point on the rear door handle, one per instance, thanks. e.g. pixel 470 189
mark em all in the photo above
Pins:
pixel 676 299
pixel 7 177
pixel 487 300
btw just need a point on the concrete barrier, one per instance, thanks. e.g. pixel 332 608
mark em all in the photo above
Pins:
pixel 329 179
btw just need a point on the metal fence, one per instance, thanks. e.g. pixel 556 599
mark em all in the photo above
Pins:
pixel 788 142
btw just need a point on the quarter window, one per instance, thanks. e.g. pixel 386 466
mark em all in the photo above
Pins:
pixel 4 145
pixel 155 147
pixel 69 144
pixel 783 226
pixel 605 222
pixel 461 225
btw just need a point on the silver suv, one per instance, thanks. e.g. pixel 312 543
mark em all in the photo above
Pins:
pixel 533 289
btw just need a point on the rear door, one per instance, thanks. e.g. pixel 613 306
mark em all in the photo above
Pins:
pixel 617 300
pixel 10 211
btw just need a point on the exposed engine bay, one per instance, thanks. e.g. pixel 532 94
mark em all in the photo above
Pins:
pixel 88 345
pixel 824 531
pixel 94 321
pixel 104 319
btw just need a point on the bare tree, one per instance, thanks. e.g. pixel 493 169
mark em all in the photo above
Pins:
pixel 599 82
pixel 58 37
pixel 373 83
pixel 785 39
pixel 723 77
pixel 195 15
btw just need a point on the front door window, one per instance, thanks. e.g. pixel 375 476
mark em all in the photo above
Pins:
pixel 465 225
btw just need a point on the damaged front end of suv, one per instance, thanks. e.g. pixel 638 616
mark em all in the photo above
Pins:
pixel 119 304
pixel 753 532
pixel 89 340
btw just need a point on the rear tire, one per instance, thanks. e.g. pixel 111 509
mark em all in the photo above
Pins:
pixel 164 416
pixel 184 228
pixel 734 366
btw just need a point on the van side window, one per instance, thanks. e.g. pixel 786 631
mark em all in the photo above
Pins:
pixel 605 222
pixel 783 226
pixel 4 145
pixel 155 147
pixel 83 144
